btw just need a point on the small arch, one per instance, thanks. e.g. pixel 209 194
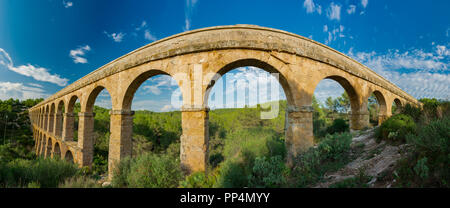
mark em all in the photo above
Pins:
pixel 46 117
pixel 68 156
pixel 57 151
pixel 60 112
pixel 349 89
pixel 377 108
pixel 396 106
pixel 51 118
pixel 48 153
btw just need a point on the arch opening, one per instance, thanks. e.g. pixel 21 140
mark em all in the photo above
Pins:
pixel 48 152
pixel 396 106
pixel 155 98
pixel 57 151
pixel 99 103
pixel 247 118
pixel 73 109
pixel 69 156
pixel 334 100
pixel 60 110
pixel 376 105
pixel 51 118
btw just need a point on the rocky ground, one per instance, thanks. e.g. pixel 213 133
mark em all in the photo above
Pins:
pixel 372 164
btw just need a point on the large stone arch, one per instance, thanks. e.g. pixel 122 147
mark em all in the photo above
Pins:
pixel 59 118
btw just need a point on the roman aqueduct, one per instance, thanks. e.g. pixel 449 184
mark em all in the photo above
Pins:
pixel 206 53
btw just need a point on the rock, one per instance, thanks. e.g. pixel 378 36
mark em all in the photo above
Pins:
pixel 106 183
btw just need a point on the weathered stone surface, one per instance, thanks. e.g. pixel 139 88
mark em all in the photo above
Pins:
pixel 195 59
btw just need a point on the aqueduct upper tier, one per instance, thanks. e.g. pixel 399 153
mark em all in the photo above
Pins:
pixel 194 59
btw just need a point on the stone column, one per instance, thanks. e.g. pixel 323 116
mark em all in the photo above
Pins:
pixel 299 131
pixel 120 141
pixel 67 133
pixel 85 138
pixel 58 124
pixel 194 139
pixel 358 119
pixel 383 117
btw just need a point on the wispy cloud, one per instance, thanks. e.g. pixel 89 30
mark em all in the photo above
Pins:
pixel 420 73
pixel 116 37
pixel 333 34
pixel 189 9
pixel 311 7
pixel 351 9
pixel 364 3
pixel 20 91
pixel 334 12
pixel 77 54
pixel 149 36
pixel 37 73
pixel 67 4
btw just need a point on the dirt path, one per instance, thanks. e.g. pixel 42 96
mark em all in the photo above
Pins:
pixel 373 161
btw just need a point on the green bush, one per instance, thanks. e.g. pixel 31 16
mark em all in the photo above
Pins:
pixel 339 125
pixel 428 162
pixel 268 173
pixel 199 180
pixel 396 128
pixel 80 182
pixel 149 171
pixel 331 154
pixel 45 172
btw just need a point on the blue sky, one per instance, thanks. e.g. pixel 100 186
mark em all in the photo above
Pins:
pixel 46 45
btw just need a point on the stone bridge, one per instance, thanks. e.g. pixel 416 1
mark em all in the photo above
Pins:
pixel 195 60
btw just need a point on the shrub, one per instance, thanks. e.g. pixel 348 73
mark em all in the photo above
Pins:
pixel 80 182
pixel 397 127
pixel 427 165
pixel 331 154
pixel 339 125
pixel 149 171
pixel 199 180
pixel 268 173
pixel 45 172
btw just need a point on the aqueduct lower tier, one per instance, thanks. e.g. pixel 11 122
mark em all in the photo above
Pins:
pixel 193 59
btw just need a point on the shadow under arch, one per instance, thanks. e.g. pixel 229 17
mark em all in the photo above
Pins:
pixel 254 63
pixel 68 156
pixel 57 151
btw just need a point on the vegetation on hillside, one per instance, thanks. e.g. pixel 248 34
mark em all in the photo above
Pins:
pixel 244 150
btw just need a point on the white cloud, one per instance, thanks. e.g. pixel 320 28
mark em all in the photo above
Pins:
pixel 334 12
pixel 325 28
pixel 311 7
pixel 416 59
pixel 161 81
pixel 149 36
pixel 420 73
pixel 77 54
pixel 35 85
pixel 37 73
pixel 351 9
pixel 364 3
pixel 67 4
pixel 337 32
pixel 117 37
pixel 20 91
pixel 142 26
pixel 190 5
